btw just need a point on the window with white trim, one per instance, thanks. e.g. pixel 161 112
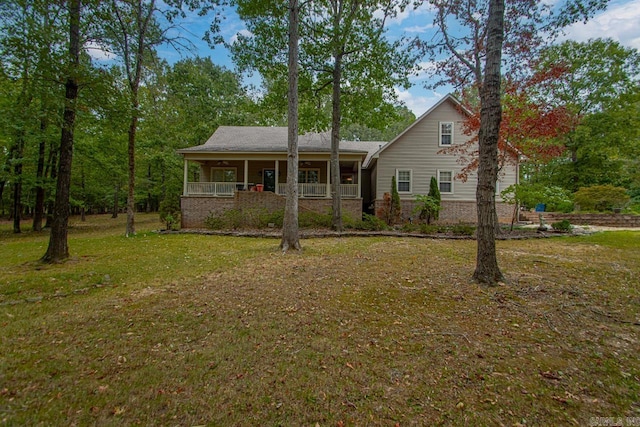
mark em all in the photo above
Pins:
pixel 223 175
pixel 445 134
pixel 445 181
pixel 403 180
pixel 308 176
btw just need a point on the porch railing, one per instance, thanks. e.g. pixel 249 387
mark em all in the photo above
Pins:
pixel 213 188
pixel 227 189
pixel 348 191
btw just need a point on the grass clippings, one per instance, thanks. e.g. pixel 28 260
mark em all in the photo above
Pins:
pixel 211 330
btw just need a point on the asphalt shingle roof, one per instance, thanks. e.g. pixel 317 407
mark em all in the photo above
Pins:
pixel 253 139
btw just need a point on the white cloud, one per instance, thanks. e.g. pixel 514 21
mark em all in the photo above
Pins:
pixel 418 104
pixel 99 53
pixel 425 70
pixel 620 22
pixel 245 33
pixel 419 28
pixel 413 9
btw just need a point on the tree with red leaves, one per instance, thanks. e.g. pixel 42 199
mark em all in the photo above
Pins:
pixel 473 37
pixel 530 127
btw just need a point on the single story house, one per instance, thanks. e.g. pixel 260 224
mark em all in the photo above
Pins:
pixel 244 167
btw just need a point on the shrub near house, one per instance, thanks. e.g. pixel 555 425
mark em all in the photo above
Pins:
pixel 601 198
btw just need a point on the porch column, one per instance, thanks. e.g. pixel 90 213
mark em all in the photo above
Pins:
pixel 277 171
pixel 186 177
pixel 359 179
pixel 328 178
pixel 246 174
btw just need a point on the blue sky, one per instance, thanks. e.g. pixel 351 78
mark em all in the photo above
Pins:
pixel 621 22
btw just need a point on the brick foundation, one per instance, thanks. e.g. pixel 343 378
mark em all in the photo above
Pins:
pixel 454 212
pixel 195 209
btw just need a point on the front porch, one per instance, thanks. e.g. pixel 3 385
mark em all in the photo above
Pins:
pixel 219 178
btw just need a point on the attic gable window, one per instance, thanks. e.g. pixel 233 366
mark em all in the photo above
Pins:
pixel 445 134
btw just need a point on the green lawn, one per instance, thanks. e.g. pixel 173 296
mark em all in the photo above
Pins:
pixel 209 330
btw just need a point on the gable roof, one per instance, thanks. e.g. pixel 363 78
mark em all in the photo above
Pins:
pixel 448 98
pixel 263 139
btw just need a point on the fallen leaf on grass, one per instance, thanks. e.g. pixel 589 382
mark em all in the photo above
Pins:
pixel 118 410
pixel 550 375
pixel 560 399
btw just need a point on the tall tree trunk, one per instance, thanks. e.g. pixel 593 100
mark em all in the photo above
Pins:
pixel 52 166
pixel 58 249
pixel 336 203
pixel 134 76
pixel 131 206
pixel 487 270
pixel 290 235
pixel 38 212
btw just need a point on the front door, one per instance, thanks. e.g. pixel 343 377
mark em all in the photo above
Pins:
pixel 269 180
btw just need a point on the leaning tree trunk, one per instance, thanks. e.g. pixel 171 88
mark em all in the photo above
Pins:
pixel 58 249
pixel 336 204
pixel 487 270
pixel 290 235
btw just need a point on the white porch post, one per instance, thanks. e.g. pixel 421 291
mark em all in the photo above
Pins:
pixel 246 174
pixel 359 179
pixel 186 177
pixel 328 178
pixel 277 171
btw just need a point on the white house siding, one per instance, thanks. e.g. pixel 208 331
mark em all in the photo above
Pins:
pixel 418 150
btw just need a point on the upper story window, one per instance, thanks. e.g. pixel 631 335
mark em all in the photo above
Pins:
pixel 403 180
pixel 446 134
